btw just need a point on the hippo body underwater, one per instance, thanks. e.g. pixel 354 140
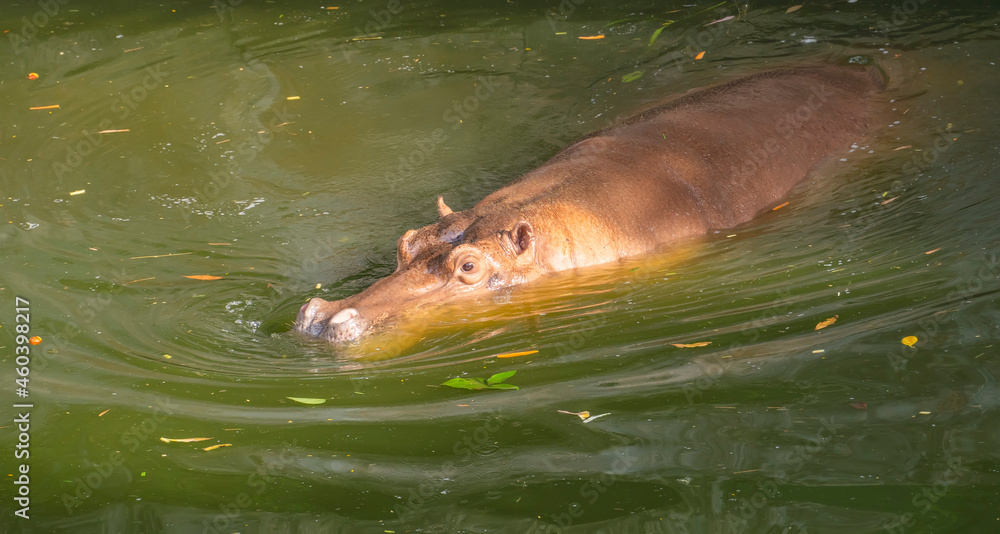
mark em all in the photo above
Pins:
pixel 709 159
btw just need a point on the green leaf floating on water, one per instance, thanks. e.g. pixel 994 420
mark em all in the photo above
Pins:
pixel 466 383
pixel 632 76
pixel 306 400
pixel 658 32
pixel 494 382
pixel 499 377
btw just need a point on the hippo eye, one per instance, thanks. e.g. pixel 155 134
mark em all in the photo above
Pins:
pixel 469 268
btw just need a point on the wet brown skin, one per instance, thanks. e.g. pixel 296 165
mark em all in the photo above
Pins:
pixel 709 159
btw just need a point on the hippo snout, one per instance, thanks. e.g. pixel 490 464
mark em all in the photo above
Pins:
pixel 323 319
pixel 346 325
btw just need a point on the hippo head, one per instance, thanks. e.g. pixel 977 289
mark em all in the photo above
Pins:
pixel 464 253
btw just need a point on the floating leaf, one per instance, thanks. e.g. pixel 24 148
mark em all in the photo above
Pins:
pixel 723 19
pixel 700 55
pixel 656 34
pixel 161 255
pixel 493 382
pixel 826 323
pixel 502 386
pixel 465 383
pixel 499 377
pixel 203 277
pixel 183 440
pixel 589 419
pixel 590 37
pixel 306 400
pixel 516 354
pixel 793 9
pixel 909 341
pixel 213 447
pixel 632 76
pixel 884 202
pixel 692 345
pixel 584 415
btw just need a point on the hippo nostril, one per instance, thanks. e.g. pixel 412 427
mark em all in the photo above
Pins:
pixel 344 315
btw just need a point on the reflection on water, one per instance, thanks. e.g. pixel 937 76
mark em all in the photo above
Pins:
pixel 284 147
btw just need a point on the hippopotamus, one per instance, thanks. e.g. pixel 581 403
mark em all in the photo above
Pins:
pixel 709 159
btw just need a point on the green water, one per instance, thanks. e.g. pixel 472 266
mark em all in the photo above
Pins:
pixel 281 145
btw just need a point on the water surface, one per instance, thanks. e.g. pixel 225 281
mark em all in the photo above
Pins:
pixel 285 146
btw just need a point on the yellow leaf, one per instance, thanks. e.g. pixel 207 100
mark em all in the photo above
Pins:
pixel 826 323
pixel 307 400
pixel 793 8
pixel 516 354
pixel 700 55
pixel 910 341
pixel 691 345
pixel 203 277
pixel 183 440
pixel 213 447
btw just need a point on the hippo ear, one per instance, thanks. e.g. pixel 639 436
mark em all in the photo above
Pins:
pixel 522 236
pixel 443 209
pixel 405 249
